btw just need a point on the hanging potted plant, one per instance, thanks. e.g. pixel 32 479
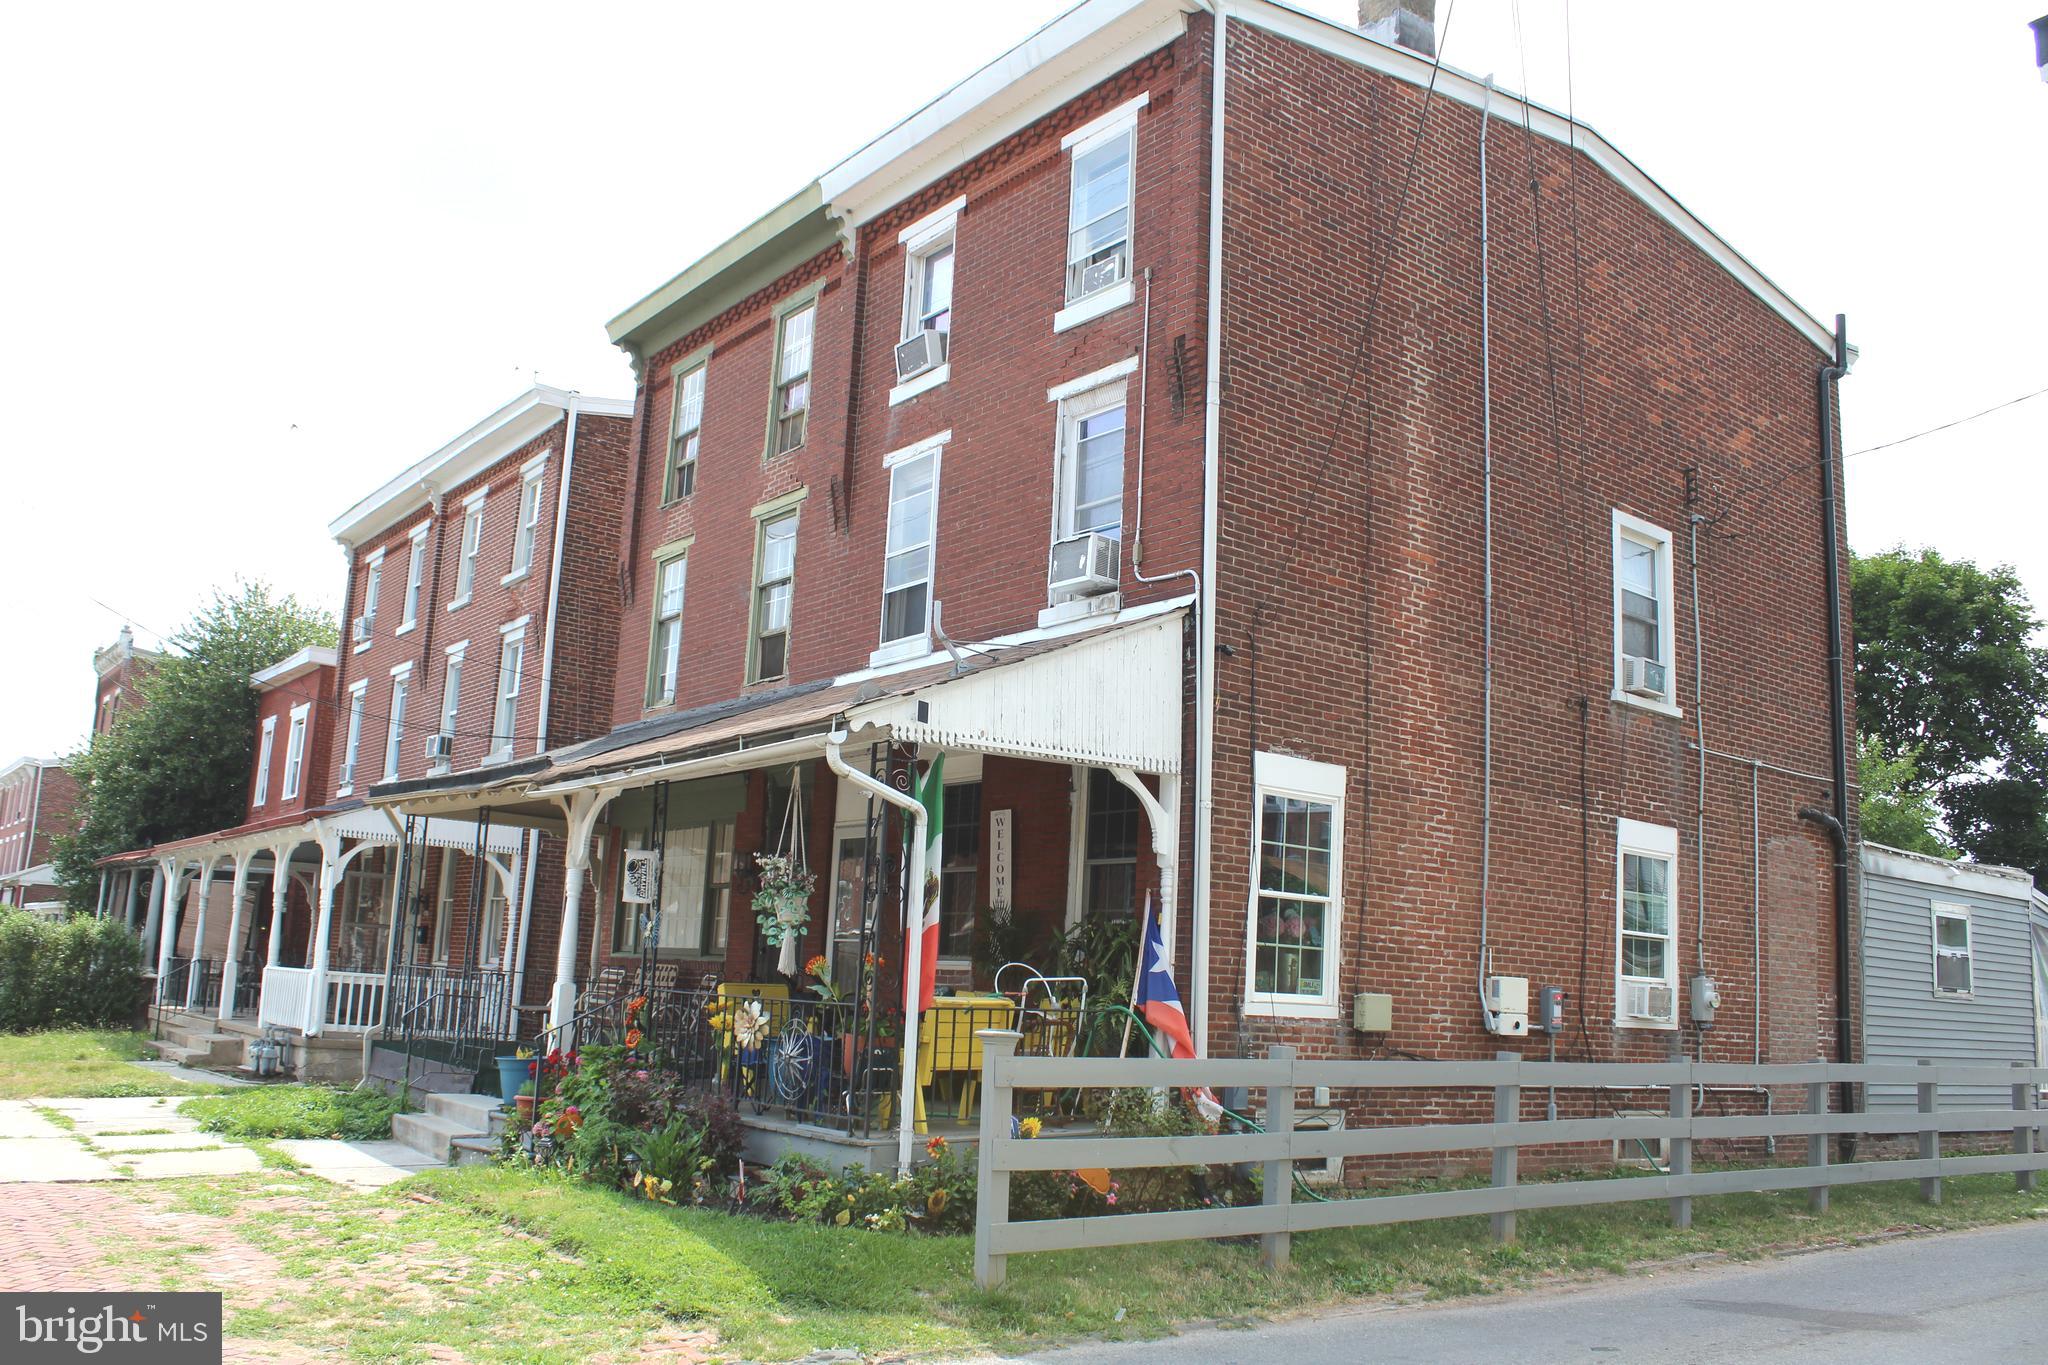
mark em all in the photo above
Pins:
pixel 782 907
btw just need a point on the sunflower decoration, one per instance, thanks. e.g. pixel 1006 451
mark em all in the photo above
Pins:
pixel 750 1024
pixel 936 1204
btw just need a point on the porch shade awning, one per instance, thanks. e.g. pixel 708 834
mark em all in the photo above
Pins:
pixel 1110 697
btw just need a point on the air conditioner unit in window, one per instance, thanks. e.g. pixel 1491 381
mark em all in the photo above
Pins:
pixel 1642 677
pixel 361 630
pixel 1101 274
pixel 440 748
pixel 925 351
pixel 1084 565
pixel 1649 1002
pixel 641 872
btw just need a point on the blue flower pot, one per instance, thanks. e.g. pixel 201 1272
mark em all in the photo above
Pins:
pixel 512 1075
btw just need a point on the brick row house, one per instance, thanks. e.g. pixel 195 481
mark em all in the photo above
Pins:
pixel 38 802
pixel 1193 437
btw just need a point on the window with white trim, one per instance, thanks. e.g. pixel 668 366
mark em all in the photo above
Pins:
pixel 693 919
pixel 666 655
pixel 373 584
pixel 451 688
pixel 353 744
pixel 529 519
pixel 1099 211
pixel 1645 925
pixel 928 286
pixel 907 566
pixel 472 543
pixel 295 752
pixel 774 579
pixel 1952 963
pixel 394 737
pixel 793 346
pixel 686 426
pixel 511 669
pixel 415 573
pixel 1297 859
pixel 1643 612
pixel 263 749
pixel 1090 492
pixel 1109 847
pixel 444 904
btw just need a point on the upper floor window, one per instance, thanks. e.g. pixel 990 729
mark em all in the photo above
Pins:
pixel 295 752
pixel 394 739
pixel 353 744
pixel 263 748
pixel 793 345
pixel 451 688
pixel 929 307
pixel 774 577
pixel 373 586
pixel 1646 925
pixel 907 569
pixel 415 573
pixel 529 518
pixel 1642 612
pixel 472 544
pixel 511 670
pixel 1296 893
pixel 1951 949
pixel 686 424
pixel 666 652
pixel 1092 486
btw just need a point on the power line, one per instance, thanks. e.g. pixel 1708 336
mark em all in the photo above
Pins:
pixel 2000 407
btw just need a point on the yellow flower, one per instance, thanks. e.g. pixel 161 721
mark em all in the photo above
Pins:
pixel 1030 1127
pixel 936 1205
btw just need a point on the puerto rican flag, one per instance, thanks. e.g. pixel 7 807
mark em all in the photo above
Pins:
pixel 1159 1003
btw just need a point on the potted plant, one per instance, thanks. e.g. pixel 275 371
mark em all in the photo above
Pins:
pixel 782 907
pixel 513 1072
pixel 524 1099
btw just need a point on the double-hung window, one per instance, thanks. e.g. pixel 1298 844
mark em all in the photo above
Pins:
pixel 665 644
pixel 1109 847
pixel 263 749
pixel 1951 949
pixel 1643 612
pixel 530 482
pixel 686 426
pixel 373 584
pixel 959 869
pixel 1297 847
pixel 511 667
pixel 913 525
pixel 354 743
pixel 472 544
pixel 295 752
pixel 1092 482
pixel 394 738
pixel 774 579
pixel 451 690
pixel 415 574
pixel 1646 925
pixel 1099 214
pixel 794 335
pixel 693 915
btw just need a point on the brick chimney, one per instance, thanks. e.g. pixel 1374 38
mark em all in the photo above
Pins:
pixel 1403 23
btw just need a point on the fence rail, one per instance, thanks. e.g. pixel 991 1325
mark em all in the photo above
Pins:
pixel 1280 1146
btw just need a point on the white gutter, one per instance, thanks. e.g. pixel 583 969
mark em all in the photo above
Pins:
pixel 1205 641
pixel 547 684
pixel 913 920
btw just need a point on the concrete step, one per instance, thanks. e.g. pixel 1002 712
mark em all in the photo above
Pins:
pixel 475 1110
pixel 430 1134
pixel 475 1151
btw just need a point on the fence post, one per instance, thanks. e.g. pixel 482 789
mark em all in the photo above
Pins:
pixel 992 1184
pixel 1680 1164
pixel 1817 1144
pixel 1507 1108
pixel 1930 1141
pixel 2023 1136
pixel 1275 1248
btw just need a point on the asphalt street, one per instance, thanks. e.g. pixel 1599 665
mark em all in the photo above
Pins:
pixel 1965 1296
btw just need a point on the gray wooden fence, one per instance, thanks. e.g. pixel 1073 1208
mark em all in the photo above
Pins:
pixel 1280 1074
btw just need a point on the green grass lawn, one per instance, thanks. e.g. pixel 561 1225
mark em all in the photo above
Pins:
pixel 82 1062
pixel 501 1265
pixel 295 1111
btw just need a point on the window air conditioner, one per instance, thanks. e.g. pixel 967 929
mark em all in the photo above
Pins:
pixel 925 351
pixel 637 886
pixel 1084 565
pixel 1649 1002
pixel 362 630
pixel 1101 274
pixel 1642 677
pixel 440 748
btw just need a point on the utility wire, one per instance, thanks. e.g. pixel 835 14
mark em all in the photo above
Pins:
pixel 2000 407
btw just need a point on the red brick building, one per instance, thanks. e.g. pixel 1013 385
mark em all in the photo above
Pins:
pixel 38 801
pixel 121 667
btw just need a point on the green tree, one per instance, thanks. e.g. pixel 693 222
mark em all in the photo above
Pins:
pixel 1948 676
pixel 1897 810
pixel 178 764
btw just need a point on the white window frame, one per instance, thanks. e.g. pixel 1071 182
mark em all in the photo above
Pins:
pixel 373 588
pixel 471 548
pixel 532 482
pixel 394 728
pixel 1635 530
pixel 1120 122
pixel 1634 837
pixel 785 379
pixel 918 644
pixel 665 665
pixel 680 471
pixel 451 690
pixel 415 577
pixel 358 696
pixel 505 706
pixel 295 752
pixel 1304 780
pixel 1937 912
pixel 768 515
pixel 263 752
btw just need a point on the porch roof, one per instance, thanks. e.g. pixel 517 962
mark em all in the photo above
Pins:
pixel 354 821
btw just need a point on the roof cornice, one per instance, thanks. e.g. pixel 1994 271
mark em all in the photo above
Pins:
pixel 292 667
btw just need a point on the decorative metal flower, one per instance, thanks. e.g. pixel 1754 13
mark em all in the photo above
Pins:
pixel 750 1024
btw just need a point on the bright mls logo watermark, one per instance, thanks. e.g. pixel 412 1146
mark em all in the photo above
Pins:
pixel 164 1329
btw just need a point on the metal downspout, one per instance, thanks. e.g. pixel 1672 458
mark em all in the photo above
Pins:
pixel 1837 686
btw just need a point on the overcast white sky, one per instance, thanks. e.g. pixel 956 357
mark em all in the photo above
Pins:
pixel 258 257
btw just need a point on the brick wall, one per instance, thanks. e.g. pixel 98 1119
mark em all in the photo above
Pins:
pixel 315 690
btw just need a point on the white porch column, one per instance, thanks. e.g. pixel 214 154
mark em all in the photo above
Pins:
pixel 1162 816
pixel 509 879
pixel 167 923
pixel 199 931
pixel 280 888
pixel 153 917
pixel 330 869
pixel 231 962
pixel 128 903
pixel 99 910
pixel 581 808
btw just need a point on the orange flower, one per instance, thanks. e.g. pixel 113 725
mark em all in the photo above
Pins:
pixel 632 1037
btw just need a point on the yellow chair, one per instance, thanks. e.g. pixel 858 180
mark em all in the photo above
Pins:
pixel 947 1046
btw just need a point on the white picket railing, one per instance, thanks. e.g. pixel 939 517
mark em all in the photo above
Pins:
pixel 353 1000
pixel 1279 1075
pixel 285 993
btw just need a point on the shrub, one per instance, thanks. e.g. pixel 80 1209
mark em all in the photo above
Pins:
pixel 80 972
pixel 296 1111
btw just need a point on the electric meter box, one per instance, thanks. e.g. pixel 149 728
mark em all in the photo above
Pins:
pixel 1372 1012
pixel 1507 1000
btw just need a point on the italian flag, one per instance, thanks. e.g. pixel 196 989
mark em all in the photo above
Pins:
pixel 931 794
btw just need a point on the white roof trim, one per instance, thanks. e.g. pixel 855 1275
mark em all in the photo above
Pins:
pixel 1985 879
pixel 292 667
